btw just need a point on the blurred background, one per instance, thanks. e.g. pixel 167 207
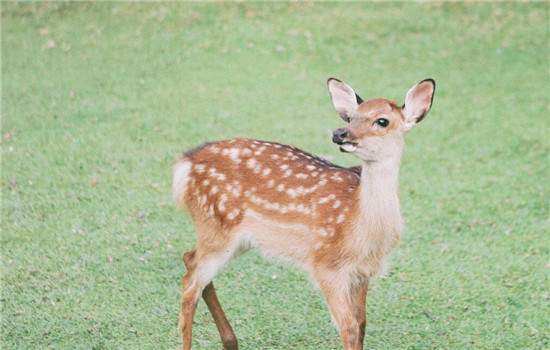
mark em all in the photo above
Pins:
pixel 98 99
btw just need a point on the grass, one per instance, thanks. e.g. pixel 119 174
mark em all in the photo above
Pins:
pixel 99 98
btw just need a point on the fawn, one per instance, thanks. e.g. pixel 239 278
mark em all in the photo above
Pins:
pixel 337 223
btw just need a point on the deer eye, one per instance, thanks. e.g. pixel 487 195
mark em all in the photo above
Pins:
pixel 383 122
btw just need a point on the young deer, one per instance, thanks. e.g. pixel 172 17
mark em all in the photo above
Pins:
pixel 337 223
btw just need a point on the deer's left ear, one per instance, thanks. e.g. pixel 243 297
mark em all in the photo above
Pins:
pixel 418 102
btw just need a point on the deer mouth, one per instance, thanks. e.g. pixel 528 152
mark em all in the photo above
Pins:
pixel 348 147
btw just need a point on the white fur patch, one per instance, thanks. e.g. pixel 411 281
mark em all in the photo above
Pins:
pixel 234 155
pixel 214 190
pixel 233 214
pixel 180 179
pixel 251 163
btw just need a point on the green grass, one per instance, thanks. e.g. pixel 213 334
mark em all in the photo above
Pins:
pixel 98 99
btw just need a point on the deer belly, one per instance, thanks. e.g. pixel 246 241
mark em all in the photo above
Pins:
pixel 287 241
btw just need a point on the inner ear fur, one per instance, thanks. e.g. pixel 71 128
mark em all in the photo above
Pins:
pixel 418 101
pixel 343 97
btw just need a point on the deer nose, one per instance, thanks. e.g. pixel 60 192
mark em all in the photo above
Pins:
pixel 339 135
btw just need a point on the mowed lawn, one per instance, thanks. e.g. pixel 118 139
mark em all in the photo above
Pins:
pixel 99 99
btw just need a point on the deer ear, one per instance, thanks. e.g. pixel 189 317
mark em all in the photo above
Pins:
pixel 418 102
pixel 344 99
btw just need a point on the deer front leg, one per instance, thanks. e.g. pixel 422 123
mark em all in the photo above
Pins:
pixel 346 313
pixel 359 297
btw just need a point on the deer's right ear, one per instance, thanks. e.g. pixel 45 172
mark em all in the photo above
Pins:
pixel 344 99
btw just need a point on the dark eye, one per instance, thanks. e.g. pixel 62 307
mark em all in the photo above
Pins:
pixel 383 122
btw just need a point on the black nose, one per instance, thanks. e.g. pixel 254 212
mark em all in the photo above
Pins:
pixel 339 135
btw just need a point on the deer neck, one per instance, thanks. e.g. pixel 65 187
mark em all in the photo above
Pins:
pixel 379 187
pixel 379 221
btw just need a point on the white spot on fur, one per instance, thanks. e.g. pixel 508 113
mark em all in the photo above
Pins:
pixel 336 204
pixel 270 183
pixel 301 176
pixel 221 203
pixel 280 187
pixel 246 152
pixel 287 173
pixel 214 190
pixel 274 156
pixel 199 168
pixel 266 172
pixel 340 218
pixel 283 167
pixel 251 163
pixel 233 214
pixel 259 151
pixel 234 155
pixel 236 192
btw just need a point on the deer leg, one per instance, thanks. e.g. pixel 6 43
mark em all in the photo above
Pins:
pixel 229 340
pixel 359 297
pixel 344 313
pixel 201 270
pixel 189 300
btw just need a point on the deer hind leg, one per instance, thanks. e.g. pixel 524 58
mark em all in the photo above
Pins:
pixel 229 340
pixel 345 313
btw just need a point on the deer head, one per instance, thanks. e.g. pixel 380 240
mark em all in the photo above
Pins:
pixel 376 127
